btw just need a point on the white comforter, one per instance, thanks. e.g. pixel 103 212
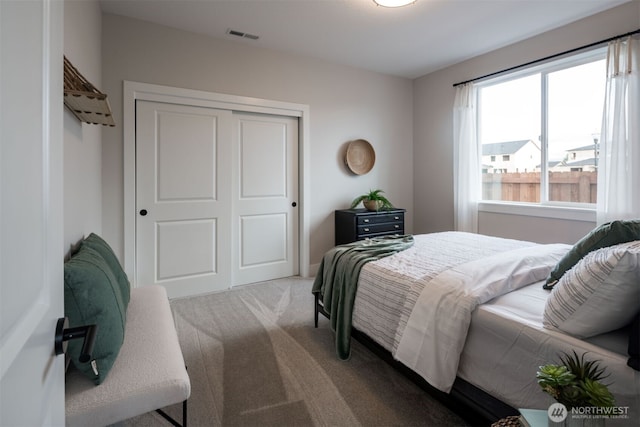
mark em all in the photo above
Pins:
pixel 436 330
pixel 389 288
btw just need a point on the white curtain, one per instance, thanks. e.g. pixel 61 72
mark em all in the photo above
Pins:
pixel 619 162
pixel 466 161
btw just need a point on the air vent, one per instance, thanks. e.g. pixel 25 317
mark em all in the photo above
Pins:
pixel 242 34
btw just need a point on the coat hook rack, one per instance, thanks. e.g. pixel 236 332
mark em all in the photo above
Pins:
pixel 86 102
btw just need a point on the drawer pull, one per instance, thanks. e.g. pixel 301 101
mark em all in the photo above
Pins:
pixel 397 226
pixel 396 218
pixel 365 221
pixel 366 229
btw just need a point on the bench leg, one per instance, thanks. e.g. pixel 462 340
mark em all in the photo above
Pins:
pixel 184 414
pixel 171 420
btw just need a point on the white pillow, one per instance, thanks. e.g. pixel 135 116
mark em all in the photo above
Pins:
pixel 599 294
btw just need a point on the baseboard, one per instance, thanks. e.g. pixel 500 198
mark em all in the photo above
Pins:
pixel 313 269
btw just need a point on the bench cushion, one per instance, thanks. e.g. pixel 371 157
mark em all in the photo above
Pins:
pixel 148 374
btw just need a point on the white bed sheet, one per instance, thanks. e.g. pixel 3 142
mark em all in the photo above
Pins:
pixel 506 344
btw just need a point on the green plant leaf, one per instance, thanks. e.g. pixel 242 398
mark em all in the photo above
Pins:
pixel 583 369
pixel 597 393
pixel 372 195
pixel 554 376
pixel 575 382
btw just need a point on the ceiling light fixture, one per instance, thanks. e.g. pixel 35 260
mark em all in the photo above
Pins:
pixel 394 3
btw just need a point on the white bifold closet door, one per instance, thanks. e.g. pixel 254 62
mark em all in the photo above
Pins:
pixel 213 197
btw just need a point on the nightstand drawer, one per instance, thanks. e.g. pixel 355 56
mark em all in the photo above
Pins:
pixel 379 218
pixel 380 228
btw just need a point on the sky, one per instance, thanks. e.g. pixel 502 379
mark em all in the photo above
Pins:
pixel 510 111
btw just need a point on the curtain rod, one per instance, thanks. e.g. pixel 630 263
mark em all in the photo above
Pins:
pixel 548 57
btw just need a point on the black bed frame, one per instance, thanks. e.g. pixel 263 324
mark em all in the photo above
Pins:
pixel 474 405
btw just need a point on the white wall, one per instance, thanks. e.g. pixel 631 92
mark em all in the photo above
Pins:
pixel 345 104
pixel 433 132
pixel 82 142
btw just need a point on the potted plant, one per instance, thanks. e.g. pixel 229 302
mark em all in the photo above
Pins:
pixel 576 383
pixel 372 201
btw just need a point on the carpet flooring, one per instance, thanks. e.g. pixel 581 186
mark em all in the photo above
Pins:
pixel 255 359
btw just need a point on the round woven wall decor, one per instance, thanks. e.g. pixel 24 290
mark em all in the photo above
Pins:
pixel 360 156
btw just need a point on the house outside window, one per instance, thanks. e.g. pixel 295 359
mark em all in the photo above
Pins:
pixel 544 123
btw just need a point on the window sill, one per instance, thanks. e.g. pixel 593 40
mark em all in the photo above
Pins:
pixel 543 211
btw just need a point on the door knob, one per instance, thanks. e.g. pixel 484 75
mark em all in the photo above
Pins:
pixel 294 204
pixel 143 212
pixel 64 334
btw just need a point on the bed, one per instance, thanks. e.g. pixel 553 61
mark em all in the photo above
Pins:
pixel 461 308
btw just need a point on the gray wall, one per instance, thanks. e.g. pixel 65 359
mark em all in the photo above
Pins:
pixel 82 141
pixel 345 104
pixel 433 129
pixel 409 123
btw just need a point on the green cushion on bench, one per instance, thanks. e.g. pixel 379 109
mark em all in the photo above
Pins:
pixel 92 295
pixel 98 244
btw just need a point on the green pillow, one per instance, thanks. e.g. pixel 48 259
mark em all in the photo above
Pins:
pixel 92 296
pixel 608 234
pixel 96 243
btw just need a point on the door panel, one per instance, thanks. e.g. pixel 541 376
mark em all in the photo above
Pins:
pixel 263 159
pixel 186 166
pixel 31 243
pixel 268 229
pixel 186 248
pixel 182 183
pixel 265 192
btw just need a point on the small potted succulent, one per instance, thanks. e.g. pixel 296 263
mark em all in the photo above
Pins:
pixel 372 201
pixel 575 383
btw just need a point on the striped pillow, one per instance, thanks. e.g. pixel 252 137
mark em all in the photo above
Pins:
pixel 599 294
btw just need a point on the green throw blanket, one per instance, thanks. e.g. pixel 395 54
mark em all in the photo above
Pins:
pixel 337 280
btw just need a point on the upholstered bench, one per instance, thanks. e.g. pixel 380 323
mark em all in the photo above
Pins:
pixel 149 372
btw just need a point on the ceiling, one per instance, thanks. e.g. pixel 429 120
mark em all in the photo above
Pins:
pixel 409 42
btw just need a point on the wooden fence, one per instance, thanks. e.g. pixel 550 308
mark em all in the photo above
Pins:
pixel 578 187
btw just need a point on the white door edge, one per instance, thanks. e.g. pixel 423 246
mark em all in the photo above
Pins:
pixel 133 91
pixel 31 235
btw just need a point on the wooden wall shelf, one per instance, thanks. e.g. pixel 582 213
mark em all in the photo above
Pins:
pixel 86 102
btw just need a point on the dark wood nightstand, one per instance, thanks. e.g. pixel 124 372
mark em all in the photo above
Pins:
pixel 359 224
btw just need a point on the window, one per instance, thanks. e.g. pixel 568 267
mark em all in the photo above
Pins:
pixel 546 122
